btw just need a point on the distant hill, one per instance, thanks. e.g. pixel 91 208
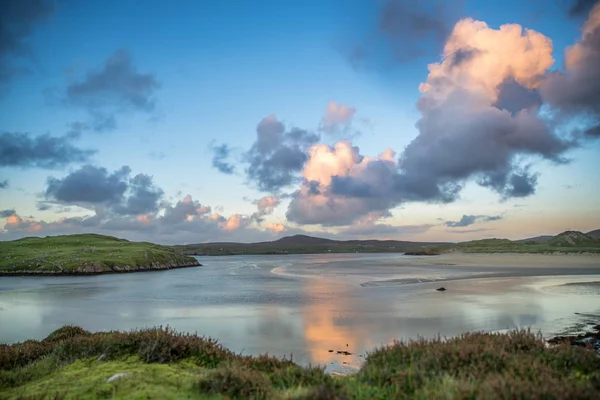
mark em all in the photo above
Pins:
pixel 536 239
pixel 303 244
pixel 571 238
pixel 570 241
pixel 595 234
pixel 565 242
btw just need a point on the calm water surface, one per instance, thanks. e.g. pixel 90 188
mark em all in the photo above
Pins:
pixel 305 305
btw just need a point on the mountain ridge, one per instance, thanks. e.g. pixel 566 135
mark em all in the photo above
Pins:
pixel 305 244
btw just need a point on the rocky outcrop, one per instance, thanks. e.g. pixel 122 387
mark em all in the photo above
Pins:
pixel 98 269
pixel 590 340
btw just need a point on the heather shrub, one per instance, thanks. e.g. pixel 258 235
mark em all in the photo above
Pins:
pixel 21 354
pixel 327 391
pixel 236 384
pixel 483 363
pixel 66 332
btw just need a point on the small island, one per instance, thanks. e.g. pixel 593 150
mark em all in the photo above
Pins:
pixel 86 254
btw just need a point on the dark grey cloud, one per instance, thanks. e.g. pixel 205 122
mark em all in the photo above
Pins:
pixel 581 7
pixel 4 184
pixel 277 156
pixel 116 87
pixel 182 210
pixel 594 131
pixel 43 151
pixel 382 230
pixel 17 21
pixel 143 197
pixel 514 97
pixel 405 30
pixel 467 220
pixel 519 183
pixel 221 154
pixel 575 92
pixel 7 213
pixel 41 206
pixel 94 187
pixel 462 56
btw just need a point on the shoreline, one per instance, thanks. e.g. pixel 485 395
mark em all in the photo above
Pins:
pixel 93 271
pixel 409 253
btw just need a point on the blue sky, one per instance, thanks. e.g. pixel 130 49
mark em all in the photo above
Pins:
pixel 211 71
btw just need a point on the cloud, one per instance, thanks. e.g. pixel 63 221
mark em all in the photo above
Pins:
pixel 92 187
pixel 581 7
pixel 184 210
pixel 406 30
pixel 220 155
pixel 186 221
pixel 7 213
pixel 4 184
pixel 467 220
pixel 17 21
pixel 277 156
pixel 265 206
pixel 378 230
pixel 321 200
pixel 43 151
pixel 480 121
pixel 116 87
pixel 337 118
pixel 575 92
pixel 467 230
pixel 278 228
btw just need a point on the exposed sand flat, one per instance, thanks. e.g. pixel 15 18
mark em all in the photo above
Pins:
pixel 512 259
pixel 461 266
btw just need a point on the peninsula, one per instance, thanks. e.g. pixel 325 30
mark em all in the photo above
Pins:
pixel 86 254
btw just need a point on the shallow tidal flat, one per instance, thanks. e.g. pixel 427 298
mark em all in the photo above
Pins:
pixel 327 309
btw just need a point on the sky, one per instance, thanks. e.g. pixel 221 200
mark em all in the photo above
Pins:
pixel 232 120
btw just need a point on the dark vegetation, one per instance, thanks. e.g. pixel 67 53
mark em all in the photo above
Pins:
pixel 86 254
pixel 566 242
pixel 302 244
pixel 160 363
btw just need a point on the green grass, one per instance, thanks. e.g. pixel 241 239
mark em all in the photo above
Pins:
pixel 161 364
pixel 87 253
pixel 508 246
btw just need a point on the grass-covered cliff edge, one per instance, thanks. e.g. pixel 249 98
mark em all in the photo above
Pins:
pixel 158 363
pixel 86 254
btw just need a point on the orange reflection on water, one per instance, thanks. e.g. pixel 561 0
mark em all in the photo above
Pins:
pixel 327 326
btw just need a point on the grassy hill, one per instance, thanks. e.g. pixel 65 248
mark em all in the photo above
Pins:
pixel 595 234
pixel 566 242
pixel 302 244
pixel 86 254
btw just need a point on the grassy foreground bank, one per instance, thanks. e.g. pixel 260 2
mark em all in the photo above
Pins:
pixel 86 254
pixel 161 364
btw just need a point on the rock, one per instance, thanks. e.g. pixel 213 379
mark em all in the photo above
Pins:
pixel 116 376
pixel 441 289
pixel 584 342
